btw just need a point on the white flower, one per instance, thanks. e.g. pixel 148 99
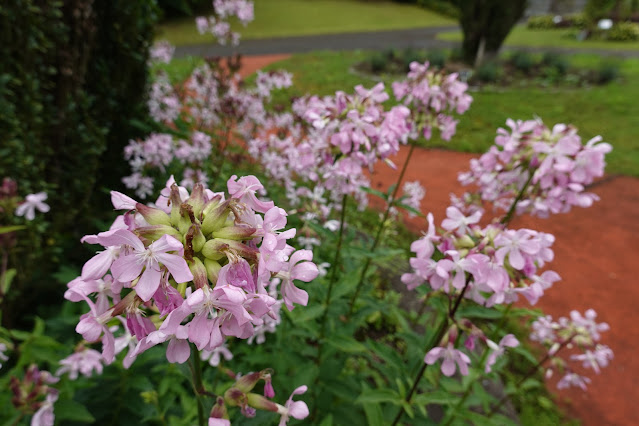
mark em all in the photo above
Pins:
pixel 31 203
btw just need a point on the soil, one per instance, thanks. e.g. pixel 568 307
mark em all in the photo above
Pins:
pixel 596 254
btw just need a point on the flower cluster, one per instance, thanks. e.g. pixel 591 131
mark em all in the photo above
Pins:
pixel 195 268
pixel 161 52
pixel 432 96
pixel 579 332
pixel 33 394
pixel 490 265
pixel 240 395
pixel 158 151
pixel 213 101
pixel 320 152
pixel 549 167
pixel 453 359
pixel 219 25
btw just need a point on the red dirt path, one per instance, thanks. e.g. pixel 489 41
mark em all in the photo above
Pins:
pixel 596 254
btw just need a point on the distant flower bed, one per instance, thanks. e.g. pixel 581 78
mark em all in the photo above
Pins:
pixel 519 69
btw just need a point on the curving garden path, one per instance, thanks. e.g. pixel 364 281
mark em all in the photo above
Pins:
pixel 596 254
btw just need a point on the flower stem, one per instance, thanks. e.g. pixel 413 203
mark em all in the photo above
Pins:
pixel 196 379
pixel 437 337
pixel 529 374
pixel 511 211
pixel 378 234
pixel 334 268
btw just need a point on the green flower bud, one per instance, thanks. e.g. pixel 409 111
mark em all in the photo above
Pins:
pixel 198 270
pixel 261 403
pixel 234 232
pixel 215 218
pixel 153 216
pixel 212 269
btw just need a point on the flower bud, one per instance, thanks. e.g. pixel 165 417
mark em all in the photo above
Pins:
pixel 153 216
pixel 155 232
pixel 197 199
pixel 465 242
pixel 261 403
pixel 212 269
pixel 234 232
pixel 217 248
pixel 219 409
pixel 215 218
pixel 198 270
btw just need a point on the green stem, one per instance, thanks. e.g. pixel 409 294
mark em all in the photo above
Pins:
pixel 226 141
pixel 196 379
pixel 334 268
pixel 437 337
pixel 469 387
pixel 532 371
pixel 378 234
pixel 511 211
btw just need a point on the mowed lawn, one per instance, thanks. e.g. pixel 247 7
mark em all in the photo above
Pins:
pixel 523 36
pixel 281 18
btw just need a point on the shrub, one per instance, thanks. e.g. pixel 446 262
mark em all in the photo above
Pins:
pixel 541 22
pixel 607 72
pixel 437 58
pixel 523 61
pixel 624 31
pixel 72 92
pixel 556 61
pixel 440 6
pixel 378 62
pixel 488 72
pixel 409 55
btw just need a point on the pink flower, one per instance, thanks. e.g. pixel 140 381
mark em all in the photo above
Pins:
pixel 300 268
pixel 450 355
pixel 129 267
pixel 84 362
pixel 31 203
pixel 497 350
pixel 296 409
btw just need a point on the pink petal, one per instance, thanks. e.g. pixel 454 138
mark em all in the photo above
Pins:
pixel 178 351
pixel 126 268
pixel 177 267
pixel 98 265
pixel 120 236
pixel 448 367
pixel 433 355
pixel 306 272
pixel 148 283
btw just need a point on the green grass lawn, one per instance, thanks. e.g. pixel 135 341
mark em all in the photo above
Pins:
pixel 280 18
pixel 522 36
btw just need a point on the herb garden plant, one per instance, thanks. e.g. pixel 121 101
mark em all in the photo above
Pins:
pixel 212 304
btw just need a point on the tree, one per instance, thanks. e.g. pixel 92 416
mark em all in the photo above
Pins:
pixel 485 24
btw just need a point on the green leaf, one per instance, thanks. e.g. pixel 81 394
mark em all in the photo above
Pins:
pixel 346 344
pixel 410 209
pixel 375 396
pixel 8 277
pixel 7 229
pixel 475 311
pixel 328 421
pixel 437 397
pixel 68 409
pixel 307 314
pixel 380 194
